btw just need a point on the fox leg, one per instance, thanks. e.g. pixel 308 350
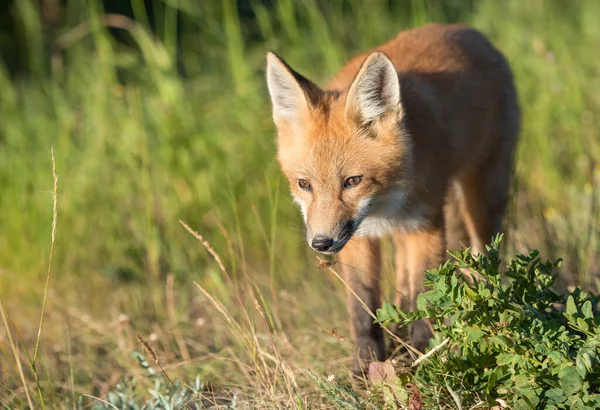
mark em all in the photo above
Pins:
pixel 456 232
pixel 486 189
pixel 403 291
pixel 403 294
pixel 416 252
pixel 361 265
pixel 485 199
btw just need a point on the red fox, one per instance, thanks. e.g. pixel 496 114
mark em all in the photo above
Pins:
pixel 423 124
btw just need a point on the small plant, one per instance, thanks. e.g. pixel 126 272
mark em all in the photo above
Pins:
pixel 342 396
pixel 512 340
pixel 164 394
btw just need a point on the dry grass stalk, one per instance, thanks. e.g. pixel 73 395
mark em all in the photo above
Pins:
pixel 430 353
pixel 100 400
pixel 54 220
pixel 170 296
pixel 290 380
pixel 274 313
pixel 15 351
pixel 455 397
pixel 217 258
pixel 146 347
pixel 151 353
pixel 208 247
pixel 218 306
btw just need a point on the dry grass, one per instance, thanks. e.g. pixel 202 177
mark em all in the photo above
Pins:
pixel 269 366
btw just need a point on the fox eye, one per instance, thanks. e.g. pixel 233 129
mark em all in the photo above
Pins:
pixel 304 184
pixel 352 181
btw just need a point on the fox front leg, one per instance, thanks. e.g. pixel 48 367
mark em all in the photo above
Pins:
pixel 417 252
pixel 361 265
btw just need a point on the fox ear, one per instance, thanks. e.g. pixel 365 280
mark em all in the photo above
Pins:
pixel 290 91
pixel 375 90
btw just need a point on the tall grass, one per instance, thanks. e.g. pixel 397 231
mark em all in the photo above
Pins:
pixel 156 130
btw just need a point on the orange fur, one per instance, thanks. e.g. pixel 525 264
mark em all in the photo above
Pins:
pixel 427 124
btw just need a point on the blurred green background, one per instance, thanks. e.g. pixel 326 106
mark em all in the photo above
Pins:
pixel 157 111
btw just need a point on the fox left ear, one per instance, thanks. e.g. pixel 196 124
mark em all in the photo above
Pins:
pixel 375 90
pixel 290 92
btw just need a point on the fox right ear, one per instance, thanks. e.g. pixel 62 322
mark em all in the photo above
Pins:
pixel 289 91
pixel 375 90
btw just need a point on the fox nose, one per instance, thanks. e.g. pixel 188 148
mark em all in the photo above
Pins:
pixel 322 243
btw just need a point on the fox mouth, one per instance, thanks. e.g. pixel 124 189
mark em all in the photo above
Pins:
pixel 334 249
pixel 339 243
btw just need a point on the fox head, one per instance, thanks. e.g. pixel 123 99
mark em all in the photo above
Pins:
pixel 344 152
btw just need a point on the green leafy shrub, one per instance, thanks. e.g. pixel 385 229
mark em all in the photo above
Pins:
pixel 511 338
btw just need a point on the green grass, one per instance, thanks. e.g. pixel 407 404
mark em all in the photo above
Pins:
pixel 139 147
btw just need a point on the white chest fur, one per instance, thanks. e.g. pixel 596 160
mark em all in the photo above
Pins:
pixel 390 212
